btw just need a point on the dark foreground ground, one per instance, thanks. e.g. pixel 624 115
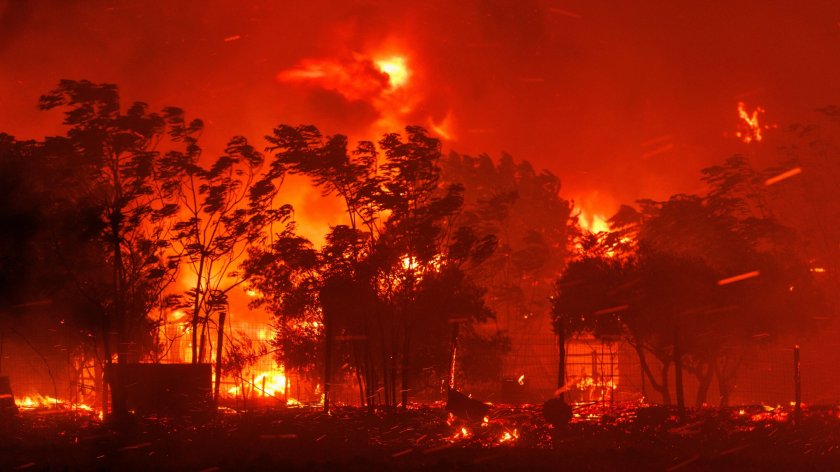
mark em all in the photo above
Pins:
pixel 424 438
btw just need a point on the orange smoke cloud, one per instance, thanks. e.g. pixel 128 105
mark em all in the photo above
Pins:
pixel 355 79
pixel 385 82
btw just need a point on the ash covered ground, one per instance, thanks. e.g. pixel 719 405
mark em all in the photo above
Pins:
pixel 426 437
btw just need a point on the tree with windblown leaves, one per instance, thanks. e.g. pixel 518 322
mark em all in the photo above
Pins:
pixel 521 208
pixel 129 190
pixel 371 272
pixel 228 208
pixel 670 264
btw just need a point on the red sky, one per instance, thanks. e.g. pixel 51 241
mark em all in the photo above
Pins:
pixel 578 87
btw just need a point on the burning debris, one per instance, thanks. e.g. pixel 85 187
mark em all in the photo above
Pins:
pixel 509 438
pixel 751 129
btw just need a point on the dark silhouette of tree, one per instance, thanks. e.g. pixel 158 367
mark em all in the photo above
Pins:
pixel 400 233
pixel 128 193
pixel 509 202
pixel 41 301
pixel 286 279
pixel 591 296
pixel 26 197
pixel 666 266
pixel 807 201
pixel 229 208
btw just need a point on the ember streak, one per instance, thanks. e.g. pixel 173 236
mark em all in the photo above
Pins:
pixel 482 234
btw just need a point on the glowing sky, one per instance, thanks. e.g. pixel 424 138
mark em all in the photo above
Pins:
pixel 620 99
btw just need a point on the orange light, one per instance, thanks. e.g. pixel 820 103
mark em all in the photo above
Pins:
pixel 783 176
pixel 751 126
pixel 593 223
pixel 444 127
pixel 738 278
pixel 509 436
pixel 396 69
pixel 461 433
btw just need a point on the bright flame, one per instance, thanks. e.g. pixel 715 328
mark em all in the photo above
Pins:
pixel 383 78
pixel 36 401
pixel 408 263
pixel 509 436
pixel 593 223
pixel 261 378
pixel 411 264
pixel 396 69
pixel 275 383
pixel 462 433
pixel 751 126
pixel 521 379
pixel 270 383
pixel 176 315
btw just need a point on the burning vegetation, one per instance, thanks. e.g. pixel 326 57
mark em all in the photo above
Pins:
pixel 378 299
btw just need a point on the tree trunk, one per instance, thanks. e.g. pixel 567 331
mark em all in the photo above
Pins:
pixel 103 394
pixel 393 382
pixel 665 388
pixel 561 365
pixel 723 385
pixel 196 311
pixel 120 408
pixel 328 347
pixel 358 368
pixel 371 380
pixel 405 367
pixel 202 339
pixel 385 365
pixel 661 388
pixel 219 343
pixel 386 369
pixel 453 352
pixel 705 381
pixel 678 373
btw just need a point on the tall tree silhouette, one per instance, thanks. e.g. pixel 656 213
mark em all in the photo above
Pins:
pixel 675 288
pixel 523 210
pixel 400 228
pixel 229 207
pixel 130 193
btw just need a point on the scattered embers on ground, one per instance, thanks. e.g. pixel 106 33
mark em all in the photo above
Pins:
pixel 627 437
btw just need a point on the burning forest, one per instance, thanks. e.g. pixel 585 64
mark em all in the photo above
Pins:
pixel 324 235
